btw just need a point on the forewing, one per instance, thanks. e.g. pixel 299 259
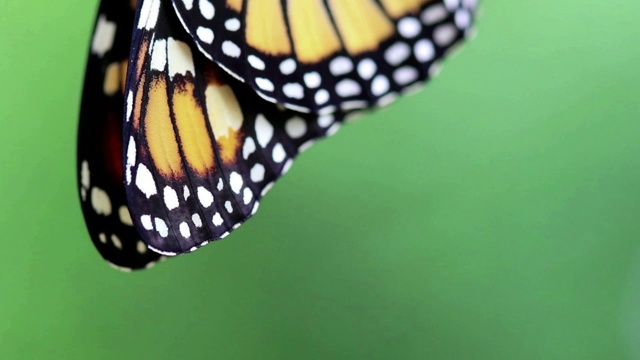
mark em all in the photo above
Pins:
pixel 99 157
pixel 322 56
pixel 201 148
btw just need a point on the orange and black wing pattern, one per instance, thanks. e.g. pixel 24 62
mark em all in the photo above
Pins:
pixel 99 148
pixel 321 56
pixel 174 152
pixel 200 148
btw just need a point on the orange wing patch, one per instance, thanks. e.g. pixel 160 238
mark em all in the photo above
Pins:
pixel 187 111
pixel 140 80
pixel 159 132
pixel 235 5
pixel 144 48
pixel 362 24
pixel 137 108
pixel 313 35
pixel 190 121
pixel 398 8
pixel 266 28
pixel 124 64
pixel 112 79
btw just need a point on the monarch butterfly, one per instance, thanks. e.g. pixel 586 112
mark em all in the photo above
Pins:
pixel 172 151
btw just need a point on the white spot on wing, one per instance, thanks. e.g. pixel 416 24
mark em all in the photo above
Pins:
pixel 129 105
pixel 205 197
pixel 100 202
pixel 257 173
pixel 287 67
pixel 125 216
pixel 146 222
pixel 367 68
pixel 409 27
pixel 333 129
pixel 348 88
pixel 304 147
pixel 131 158
pixel 230 49
pixel 149 14
pixel 287 166
pixel 397 53
pixel 116 242
pixel 170 198
pixel 232 24
pixel 248 148
pixel 463 19
pixel 312 79
pixel 278 153
pixel 145 182
pixel 325 120
pixel 265 84
pixel 340 66
pixel 380 85
pixel 85 178
pixel 424 50
pixel 141 247
pixel 205 34
pixel 445 34
pixel 247 196
pixel 217 219
pixel 197 221
pixel 235 181
pixel 296 127
pixel 293 90
pixel 405 75
pixel 180 58
pixel 206 9
pixel 162 228
pixel 322 96
pixel 103 36
pixel 267 188
pixel 256 62
pixel 184 230
pixel 264 130
pixel 434 14
pixel 159 55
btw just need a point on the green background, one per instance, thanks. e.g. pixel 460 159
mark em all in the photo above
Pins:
pixel 495 215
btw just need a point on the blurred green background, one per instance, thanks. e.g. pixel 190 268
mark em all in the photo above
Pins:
pixel 495 215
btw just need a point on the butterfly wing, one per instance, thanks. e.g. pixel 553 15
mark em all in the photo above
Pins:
pixel 320 56
pixel 201 148
pixel 99 157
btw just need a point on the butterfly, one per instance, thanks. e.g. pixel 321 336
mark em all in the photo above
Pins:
pixel 175 152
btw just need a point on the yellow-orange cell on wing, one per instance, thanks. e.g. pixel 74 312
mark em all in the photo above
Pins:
pixel 159 133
